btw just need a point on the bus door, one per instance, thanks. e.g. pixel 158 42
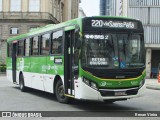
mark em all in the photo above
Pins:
pixel 70 64
pixel 14 58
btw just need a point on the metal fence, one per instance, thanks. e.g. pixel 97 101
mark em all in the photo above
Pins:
pixel 155 15
pixel 139 13
pixel 148 15
pixel 144 3
pixel 148 11
pixel 152 34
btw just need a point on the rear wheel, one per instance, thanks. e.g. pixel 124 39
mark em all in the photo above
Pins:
pixel 59 92
pixel 21 83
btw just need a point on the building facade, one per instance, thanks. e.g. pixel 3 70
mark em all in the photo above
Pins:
pixel 148 11
pixel 81 12
pixel 19 16
pixel 113 7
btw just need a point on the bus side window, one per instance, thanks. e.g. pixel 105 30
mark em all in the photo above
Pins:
pixel 21 48
pixel 27 47
pixel 45 44
pixel 35 46
pixel 57 39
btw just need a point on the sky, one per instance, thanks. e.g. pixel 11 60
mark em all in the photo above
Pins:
pixel 90 7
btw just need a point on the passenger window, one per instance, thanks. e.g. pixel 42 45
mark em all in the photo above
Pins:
pixel 45 44
pixel 27 47
pixel 35 45
pixel 57 42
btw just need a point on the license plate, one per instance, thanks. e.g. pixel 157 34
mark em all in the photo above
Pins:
pixel 120 93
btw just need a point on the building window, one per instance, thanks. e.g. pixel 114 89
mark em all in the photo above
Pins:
pixel 0 5
pixel 34 5
pixel 57 39
pixel 15 5
pixel 14 31
pixel 45 44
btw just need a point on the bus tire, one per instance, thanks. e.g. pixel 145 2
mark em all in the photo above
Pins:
pixel 21 83
pixel 59 92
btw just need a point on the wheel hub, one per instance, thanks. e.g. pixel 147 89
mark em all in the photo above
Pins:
pixel 61 91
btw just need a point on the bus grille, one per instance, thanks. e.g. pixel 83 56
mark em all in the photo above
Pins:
pixel 112 93
pixel 115 73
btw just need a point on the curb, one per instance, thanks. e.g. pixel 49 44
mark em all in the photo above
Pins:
pixel 153 87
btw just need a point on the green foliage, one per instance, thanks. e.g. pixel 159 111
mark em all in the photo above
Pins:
pixel 2 68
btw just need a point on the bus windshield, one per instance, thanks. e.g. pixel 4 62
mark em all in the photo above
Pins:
pixel 113 51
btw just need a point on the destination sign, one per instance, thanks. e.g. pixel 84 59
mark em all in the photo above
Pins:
pixel 98 61
pixel 113 24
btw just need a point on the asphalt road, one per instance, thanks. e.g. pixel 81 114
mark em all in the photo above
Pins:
pixel 12 99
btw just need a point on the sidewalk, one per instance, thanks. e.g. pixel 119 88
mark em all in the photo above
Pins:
pixel 2 74
pixel 152 84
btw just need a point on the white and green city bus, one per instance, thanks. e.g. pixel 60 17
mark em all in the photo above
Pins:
pixel 93 58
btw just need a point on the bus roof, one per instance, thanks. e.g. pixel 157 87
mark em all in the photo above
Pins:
pixel 50 27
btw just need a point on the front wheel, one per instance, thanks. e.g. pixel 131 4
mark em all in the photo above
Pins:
pixel 21 83
pixel 59 92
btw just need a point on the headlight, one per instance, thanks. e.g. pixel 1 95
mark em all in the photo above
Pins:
pixel 89 83
pixel 86 81
pixel 93 85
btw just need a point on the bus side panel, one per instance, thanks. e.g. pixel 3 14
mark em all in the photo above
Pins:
pixel 38 68
pixel 49 76
pixel 53 70
pixel 26 72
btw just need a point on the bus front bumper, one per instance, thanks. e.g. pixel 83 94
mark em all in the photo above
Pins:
pixel 89 93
